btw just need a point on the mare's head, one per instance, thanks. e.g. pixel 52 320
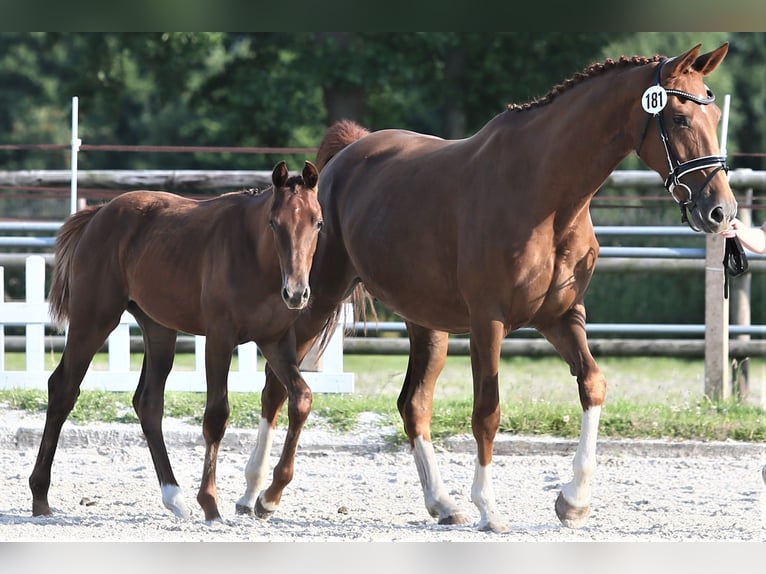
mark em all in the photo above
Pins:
pixel 295 219
pixel 679 140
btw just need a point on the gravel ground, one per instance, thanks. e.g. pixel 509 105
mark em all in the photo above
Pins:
pixel 355 488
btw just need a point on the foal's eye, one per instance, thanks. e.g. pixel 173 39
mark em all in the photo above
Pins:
pixel 272 224
pixel 320 224
pixel 682 121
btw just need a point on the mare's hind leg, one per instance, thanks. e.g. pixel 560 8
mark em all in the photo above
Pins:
pixel 486 337
pixel 428 352
pixel 273 397
pixel 282 360
pixel 569 339
pixel 84 339
pixel 149 403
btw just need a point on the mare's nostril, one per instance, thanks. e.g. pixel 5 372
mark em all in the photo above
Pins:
pixel 285 294
pixel 717 215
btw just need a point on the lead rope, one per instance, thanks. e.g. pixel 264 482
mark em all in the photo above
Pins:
pixel 734 262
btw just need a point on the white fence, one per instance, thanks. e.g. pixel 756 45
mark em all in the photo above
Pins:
pixel 118 376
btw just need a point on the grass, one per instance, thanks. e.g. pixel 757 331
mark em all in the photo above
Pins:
pixel 647 398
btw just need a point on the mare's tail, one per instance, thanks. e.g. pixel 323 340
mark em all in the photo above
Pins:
pixel 338 136
pixel 67 239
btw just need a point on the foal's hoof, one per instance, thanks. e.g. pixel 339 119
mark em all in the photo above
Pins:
pixel 243 509
pixel 571 516
pixel 262 511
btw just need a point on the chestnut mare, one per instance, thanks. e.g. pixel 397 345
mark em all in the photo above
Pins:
pixel 492 233
pixel 234 268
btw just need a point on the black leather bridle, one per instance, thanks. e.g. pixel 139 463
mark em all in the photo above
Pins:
pixel 734 260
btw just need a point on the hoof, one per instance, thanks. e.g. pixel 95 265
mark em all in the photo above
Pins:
pixel 41 509
pixel 571 516
pixel 493 525
pixel 242 509
pixel 261 511
pixel 455 518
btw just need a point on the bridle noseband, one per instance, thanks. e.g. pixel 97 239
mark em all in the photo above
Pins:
pixel 676 168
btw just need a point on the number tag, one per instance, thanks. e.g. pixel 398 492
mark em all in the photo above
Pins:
pixel 654 99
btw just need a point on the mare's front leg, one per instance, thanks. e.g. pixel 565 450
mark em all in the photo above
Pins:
pixel 569 338
pixel 281 357
pixel 218 352
pixel 486 340
pixel 428 352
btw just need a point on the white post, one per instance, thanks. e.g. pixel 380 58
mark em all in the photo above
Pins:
pixel 76 141
pixel 2 327
pixel 725 123
pixel 35 339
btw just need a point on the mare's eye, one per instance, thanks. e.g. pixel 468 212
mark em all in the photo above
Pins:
pixel 272 224
pixel 682 121
pixel 320 224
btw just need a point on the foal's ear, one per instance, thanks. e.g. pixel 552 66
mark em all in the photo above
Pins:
pixel 279 175
pixel 310 175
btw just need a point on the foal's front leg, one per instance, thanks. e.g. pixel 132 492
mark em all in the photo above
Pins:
pixel 217 360
pixel 569 339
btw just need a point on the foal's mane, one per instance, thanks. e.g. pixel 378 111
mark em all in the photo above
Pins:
pixel 591 71
pixel 292 182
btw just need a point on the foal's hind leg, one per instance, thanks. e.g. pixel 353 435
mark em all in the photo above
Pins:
pixel 569 339
pixel 428 352
pixel 84 339
pixel 149 403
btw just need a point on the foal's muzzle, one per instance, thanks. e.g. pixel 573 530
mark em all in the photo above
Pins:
pixel 296 298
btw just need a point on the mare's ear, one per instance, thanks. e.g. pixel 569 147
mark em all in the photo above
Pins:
pixel 310 175
pixel 279 175
pixel 683 63
pixel 706 63
pixel 692 60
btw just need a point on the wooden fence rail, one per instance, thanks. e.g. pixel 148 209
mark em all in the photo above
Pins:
pixel 118 375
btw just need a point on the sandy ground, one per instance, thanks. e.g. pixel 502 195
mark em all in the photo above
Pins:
pixel 355 488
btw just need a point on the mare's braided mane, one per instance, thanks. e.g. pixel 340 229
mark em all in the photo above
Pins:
pixel 591 71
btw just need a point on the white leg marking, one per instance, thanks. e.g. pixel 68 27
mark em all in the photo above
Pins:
pixel 173 499
pixel 438 501
pixel 258 465
pixel 483 496
pixel 577 492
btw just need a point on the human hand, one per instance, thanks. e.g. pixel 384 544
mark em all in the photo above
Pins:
pixel 732 231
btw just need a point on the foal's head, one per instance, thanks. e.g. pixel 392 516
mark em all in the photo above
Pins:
pixel 680 140
pixel 295 219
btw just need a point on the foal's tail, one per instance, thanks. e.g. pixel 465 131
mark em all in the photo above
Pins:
pixel 67 239
pixel 338 136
